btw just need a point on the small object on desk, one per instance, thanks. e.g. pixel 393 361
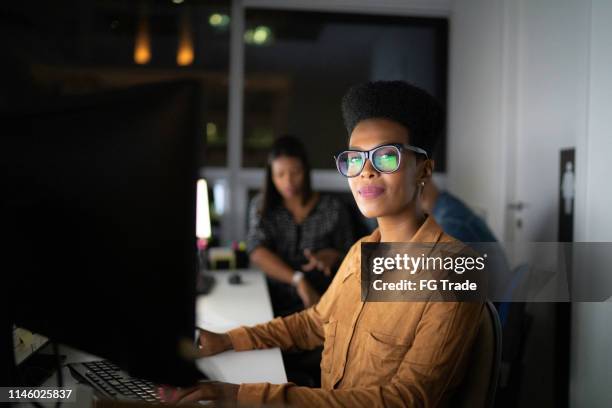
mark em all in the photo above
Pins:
pixel 242 258
pixel 25 343
pixel 205 283
pixel 221 258
pixel 235 279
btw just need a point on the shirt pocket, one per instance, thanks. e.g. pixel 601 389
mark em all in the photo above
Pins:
pixel 386 347
pixel 329 331
pixel 382 356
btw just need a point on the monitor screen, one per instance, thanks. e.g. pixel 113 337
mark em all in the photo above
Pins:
pixel 99 213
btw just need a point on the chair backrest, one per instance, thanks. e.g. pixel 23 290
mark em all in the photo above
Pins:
pixel 480 382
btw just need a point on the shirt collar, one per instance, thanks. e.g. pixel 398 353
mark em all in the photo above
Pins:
pixel 429 232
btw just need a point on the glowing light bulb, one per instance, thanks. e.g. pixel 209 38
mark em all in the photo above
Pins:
pixel 215 19
pixel 262 35
pixel 142 44
pixel 184 53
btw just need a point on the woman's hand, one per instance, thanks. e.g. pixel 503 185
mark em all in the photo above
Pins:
pixel 211 343
pixel 307 293
pixel 205 391
pixel 324 260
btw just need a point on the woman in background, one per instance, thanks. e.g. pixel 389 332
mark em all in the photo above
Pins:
pixel 296 236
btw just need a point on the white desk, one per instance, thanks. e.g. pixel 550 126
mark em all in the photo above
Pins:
pixel 229 306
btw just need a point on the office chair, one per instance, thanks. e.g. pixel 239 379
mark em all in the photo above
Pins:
pixel 480 383
pixel 516 325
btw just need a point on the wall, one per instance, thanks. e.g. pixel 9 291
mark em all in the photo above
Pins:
pixel 591 329
pixel 552 64
pixel 474 141
pixel 517 96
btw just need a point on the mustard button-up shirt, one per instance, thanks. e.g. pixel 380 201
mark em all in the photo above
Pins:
pixel 375 354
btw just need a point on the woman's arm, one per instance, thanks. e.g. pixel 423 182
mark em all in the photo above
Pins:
pixel 271 264
pixel 276 268
pixel 303 330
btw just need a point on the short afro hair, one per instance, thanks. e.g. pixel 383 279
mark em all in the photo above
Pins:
pixel 399 101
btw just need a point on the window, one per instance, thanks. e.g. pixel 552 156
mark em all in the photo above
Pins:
pixel 89 46
pixel 299 64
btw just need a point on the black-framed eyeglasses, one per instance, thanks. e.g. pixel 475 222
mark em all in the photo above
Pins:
pixel 385 159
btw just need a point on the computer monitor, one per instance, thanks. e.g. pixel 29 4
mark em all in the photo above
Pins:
pixel 98 210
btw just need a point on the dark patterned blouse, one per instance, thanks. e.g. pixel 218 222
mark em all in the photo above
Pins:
pixel 327 225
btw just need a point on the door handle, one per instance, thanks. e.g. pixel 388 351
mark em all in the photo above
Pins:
pixel 517 206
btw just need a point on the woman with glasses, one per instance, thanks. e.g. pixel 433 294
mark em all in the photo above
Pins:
pixel 376 354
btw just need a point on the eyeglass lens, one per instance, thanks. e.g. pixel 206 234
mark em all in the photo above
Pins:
pixel 385 159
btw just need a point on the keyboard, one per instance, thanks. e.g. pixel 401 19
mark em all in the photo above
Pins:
pixel 111 382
